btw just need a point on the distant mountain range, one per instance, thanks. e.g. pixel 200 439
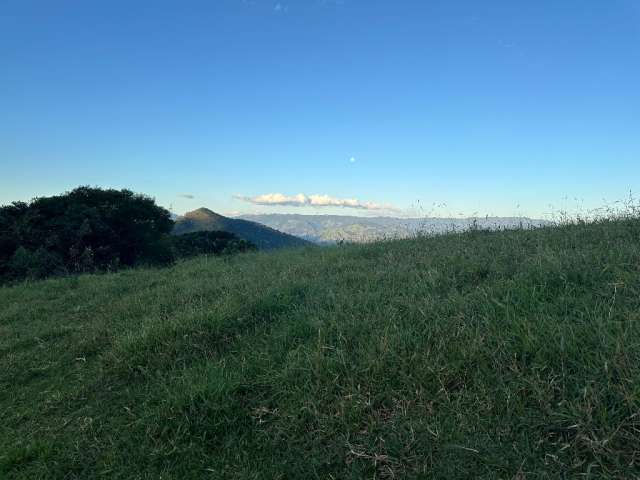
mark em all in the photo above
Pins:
pixel 334 228
pixel 264 237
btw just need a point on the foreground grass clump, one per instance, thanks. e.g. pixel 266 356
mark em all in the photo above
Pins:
pixel 480 355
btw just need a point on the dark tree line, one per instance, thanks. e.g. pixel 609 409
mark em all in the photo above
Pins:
pixel 93 229
pixel 209 243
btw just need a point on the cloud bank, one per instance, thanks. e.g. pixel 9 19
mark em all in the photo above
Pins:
pixel 302 200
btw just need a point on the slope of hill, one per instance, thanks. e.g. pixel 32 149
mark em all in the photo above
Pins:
pixel 512 354
pixel 264 237
pixel 333 228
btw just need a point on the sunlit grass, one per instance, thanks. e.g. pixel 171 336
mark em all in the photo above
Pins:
pixel 510 354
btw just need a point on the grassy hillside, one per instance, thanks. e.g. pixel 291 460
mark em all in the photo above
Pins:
pixel 265 238
pixel 480 355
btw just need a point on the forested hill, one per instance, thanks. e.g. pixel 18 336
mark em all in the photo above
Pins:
pixel 265 238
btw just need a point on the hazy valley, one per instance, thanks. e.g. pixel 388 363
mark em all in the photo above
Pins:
pixel 335 228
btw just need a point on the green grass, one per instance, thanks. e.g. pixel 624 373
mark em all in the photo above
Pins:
pixel 479 355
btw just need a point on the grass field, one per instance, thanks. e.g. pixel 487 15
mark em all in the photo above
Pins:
pixel 511 355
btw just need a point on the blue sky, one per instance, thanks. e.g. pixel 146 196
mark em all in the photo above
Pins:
pixel 324 106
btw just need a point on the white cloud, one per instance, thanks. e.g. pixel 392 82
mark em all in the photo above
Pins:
pixel 302 200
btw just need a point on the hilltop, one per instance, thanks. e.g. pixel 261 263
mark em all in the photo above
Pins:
pixel 334 228
pixel 511 354
pixel 265 238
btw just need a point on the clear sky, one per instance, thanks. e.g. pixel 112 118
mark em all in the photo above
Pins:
pixel 495 107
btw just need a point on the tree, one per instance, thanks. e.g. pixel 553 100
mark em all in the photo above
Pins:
pixel 85 229
pixel 209 243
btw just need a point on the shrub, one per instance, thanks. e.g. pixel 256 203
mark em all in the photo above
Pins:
pixel 83 230
pixel 38 264
pixel 209 243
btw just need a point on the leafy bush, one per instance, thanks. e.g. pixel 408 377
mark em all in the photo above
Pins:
pixel 209 243
pixel 86 229
pixel 38 264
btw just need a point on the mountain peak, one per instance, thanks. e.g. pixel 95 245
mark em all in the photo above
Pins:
pixel 202 213
pixel 264 237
